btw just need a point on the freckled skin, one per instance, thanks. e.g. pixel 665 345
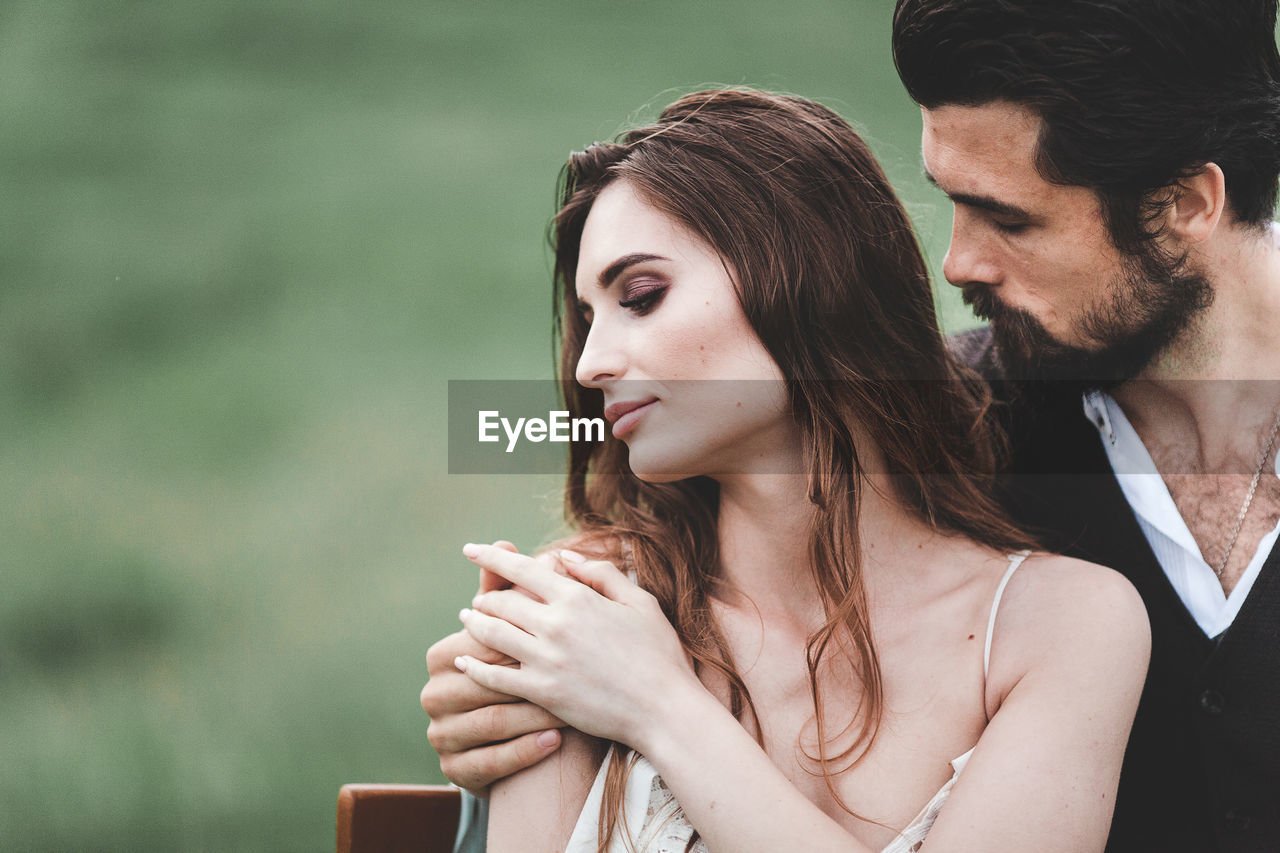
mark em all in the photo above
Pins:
pixel 1061 263
pixel 720 404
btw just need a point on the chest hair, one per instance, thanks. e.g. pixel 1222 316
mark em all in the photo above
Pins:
pixel 1210 503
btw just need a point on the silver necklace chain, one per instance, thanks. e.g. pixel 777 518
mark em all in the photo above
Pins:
pixel 1253 486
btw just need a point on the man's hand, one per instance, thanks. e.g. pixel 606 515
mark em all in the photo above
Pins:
pixel 481 735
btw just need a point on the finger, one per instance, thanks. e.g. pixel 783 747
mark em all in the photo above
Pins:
pixel 452 693
pixel 441 655
pixel 490 581
pixel 514 607
pixel 477 769
pixel 548 561
pixel 503 679
pixel 551 559
pixel 499 635
pixel 517 568
pixel 487 726
pixel 602 576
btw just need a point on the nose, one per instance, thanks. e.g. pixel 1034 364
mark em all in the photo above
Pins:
pixel 970 257
pixel 603 357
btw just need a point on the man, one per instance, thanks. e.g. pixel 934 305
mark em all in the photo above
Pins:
pixel 1114 169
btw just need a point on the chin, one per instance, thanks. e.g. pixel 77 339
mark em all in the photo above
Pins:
pixel 654 464
pixel 657 478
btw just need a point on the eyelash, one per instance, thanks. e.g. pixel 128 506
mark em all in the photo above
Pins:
pixel 644 301
pixel 1005 228
pixel 641 302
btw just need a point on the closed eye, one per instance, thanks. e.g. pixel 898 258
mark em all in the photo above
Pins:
pixel 645 302
pixel 641 296
pixel 1009 227
pixel 1007 223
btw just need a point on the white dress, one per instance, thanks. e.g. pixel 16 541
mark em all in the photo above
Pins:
pixel 654 823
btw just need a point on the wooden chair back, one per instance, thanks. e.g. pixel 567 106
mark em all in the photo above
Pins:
pixel 397 818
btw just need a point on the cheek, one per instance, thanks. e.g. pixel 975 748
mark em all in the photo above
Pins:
pixel 727 348
pixel 1082 287
pixel 1085 265
pixel 703 334
pixel 698 343
pixel 1055 282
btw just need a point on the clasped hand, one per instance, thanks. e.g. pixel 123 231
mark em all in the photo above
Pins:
pixel 594 649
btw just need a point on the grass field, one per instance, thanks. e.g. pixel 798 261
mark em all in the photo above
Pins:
pixel 245 245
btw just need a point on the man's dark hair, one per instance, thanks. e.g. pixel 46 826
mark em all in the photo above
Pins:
pixel 1134 94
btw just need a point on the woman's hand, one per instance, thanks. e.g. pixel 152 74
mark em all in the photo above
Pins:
pixel 596 650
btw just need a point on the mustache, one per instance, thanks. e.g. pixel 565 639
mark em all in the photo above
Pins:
pixel 1015 323
pixel 983 301
pixel 1021 338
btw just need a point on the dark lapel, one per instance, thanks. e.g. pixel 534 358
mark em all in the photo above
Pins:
pixel 1258 612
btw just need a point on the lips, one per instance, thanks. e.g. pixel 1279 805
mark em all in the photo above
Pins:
pixel 624 415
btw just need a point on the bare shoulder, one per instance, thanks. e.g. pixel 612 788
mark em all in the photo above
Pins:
pixel 1076 588
pixel 1063 614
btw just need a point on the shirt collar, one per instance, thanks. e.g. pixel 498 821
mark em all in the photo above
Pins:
pixel 1135 471
pixel 1095 409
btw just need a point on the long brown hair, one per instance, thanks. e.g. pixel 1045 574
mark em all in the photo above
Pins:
pixel 830 277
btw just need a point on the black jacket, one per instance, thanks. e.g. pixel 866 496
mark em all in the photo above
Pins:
pixel 1202 770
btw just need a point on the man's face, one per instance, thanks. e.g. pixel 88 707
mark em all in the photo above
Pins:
pixel 1035 258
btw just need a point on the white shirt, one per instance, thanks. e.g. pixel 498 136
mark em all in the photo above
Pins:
pixel 1170 539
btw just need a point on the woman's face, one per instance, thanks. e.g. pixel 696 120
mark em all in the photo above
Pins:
pixel 686 383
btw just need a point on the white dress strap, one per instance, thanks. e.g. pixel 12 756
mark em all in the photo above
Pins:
pixel 1015 560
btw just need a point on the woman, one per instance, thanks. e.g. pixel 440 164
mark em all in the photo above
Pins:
pixel 832 617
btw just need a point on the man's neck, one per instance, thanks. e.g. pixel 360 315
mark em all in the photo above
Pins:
pixel 1208 405
pixel 1223 372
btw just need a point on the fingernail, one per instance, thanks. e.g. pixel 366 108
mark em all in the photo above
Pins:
pixel 460 663
pixel 547 739
pixel 572 556
pixel 475 602
pixel 463 614
pixel 471 549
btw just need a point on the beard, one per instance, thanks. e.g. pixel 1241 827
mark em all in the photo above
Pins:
pixel 1147 306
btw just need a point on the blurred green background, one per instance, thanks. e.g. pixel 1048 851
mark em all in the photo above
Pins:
pixel 244 247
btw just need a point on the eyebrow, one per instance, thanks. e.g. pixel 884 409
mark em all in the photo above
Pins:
pixel 982 202
pixel 618 267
